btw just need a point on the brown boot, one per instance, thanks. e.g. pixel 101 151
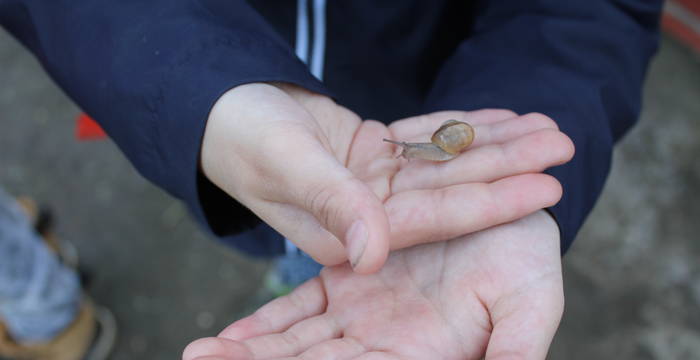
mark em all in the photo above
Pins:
pixel 92 334
pixel 71 344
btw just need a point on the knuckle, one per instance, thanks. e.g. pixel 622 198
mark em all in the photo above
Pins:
pixel 504 113
pixel 298 302
pixel 540 121
pixel 291 339
pixel 320 202
pixel 555 144
pixel 492 213
pixel 443 225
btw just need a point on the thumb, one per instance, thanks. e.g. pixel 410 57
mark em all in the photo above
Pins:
pixel 341 203
pixel 523 328
pixel 265 149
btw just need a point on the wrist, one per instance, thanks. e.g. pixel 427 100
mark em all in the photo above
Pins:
pixel 221 140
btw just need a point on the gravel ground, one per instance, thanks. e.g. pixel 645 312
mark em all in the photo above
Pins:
pixel 632 277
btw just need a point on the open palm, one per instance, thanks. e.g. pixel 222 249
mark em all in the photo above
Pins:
pixel 496 293
pixel 496 181
pixel 326 181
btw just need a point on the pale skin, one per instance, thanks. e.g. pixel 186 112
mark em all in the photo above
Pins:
pixel 495 293
pixel 312 169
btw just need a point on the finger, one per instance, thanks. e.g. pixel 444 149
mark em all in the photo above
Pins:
pixel 372 160
pixel 307 300
pixel 316 182
pixel 302 228
pixel 423 216
pixel 279 153
pixel 512 128
pixel 418 125
pixel 295 340
pixel 524 327
pixel 216 348
pixel 531 153
pixel 494 132
pixel 335 349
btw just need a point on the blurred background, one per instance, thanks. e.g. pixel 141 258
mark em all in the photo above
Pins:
pixel 632 278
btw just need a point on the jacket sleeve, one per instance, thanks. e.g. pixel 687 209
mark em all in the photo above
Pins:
pixel 149 72
pixel 582 63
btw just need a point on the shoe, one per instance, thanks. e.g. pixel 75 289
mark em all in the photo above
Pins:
pixel 90 337
pixel 92 334
pixel 105 335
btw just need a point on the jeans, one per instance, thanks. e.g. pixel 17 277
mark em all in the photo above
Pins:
pixel 295 267
pixel 39 296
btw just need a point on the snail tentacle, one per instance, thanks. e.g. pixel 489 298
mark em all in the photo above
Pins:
pixel 446 142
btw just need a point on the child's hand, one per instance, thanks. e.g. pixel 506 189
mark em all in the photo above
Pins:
pixel 494 294
pixel 325 179
pixel 281 151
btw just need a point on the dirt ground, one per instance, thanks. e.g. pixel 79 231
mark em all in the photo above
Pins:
pixel 632 277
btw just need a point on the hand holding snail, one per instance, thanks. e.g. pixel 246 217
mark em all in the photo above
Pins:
pixel 446 143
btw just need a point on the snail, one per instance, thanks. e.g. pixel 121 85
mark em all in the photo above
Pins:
pixel 446 143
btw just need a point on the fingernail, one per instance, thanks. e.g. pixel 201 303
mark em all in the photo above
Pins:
pixel 356 241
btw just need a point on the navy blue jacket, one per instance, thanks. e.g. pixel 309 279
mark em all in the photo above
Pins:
pixel 149 72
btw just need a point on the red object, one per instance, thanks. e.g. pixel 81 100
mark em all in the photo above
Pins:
pixel 681 31
pixel 88 129
pixel 691 5
pixel 681 19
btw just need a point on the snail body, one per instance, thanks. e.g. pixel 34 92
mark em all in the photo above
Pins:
pixel 446 143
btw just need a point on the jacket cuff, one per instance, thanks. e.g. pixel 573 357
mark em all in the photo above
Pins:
pixel 190 89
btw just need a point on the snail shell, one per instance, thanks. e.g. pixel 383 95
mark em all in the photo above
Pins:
pixel 453 136
pixel 446 143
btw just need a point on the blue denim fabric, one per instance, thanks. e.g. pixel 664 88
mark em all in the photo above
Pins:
pixel 295 267
pixel 39 296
